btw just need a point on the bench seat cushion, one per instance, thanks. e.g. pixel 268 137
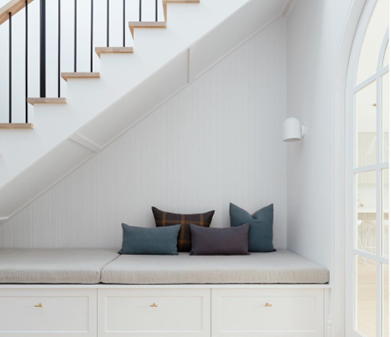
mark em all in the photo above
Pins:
pixel 281 266
pixel 82 266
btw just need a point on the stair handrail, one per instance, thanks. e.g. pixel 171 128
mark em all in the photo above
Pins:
pixel 13 7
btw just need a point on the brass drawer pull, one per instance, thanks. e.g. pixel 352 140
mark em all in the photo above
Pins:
pixel 38 305
pixel 153 305
pixel 268 305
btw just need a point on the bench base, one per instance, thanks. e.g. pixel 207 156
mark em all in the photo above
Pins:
pixel 162 310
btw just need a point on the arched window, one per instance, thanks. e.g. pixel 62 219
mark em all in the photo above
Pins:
pixel 367 175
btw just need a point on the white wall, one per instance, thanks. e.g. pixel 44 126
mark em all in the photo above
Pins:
pixel 217 141
pixel 315 31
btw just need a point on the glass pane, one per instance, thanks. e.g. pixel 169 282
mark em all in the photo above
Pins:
pixel 386 298
pixel 386 58
pixel 366 126
pixel 366 296
pixel 385 116
pixel 373 39
pixel 366 211
pixel 385 226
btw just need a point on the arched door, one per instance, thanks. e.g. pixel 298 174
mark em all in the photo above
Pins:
pixel 367 176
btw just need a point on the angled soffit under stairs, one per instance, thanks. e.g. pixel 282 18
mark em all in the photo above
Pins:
pixel 137 103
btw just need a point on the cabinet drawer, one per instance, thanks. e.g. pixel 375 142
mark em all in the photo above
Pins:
pixel 54 313
pixel 154 312
pixel 267 312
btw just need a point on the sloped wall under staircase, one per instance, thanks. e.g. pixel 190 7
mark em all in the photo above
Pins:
pixel 96 113
pixel 216 141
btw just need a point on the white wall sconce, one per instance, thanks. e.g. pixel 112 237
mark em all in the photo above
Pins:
pixel 293 130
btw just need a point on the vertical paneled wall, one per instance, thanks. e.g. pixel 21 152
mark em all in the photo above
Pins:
pixel 217 141
pixel 314 33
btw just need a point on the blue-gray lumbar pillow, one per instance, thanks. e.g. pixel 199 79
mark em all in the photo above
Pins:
pixel 260 235
pixel 152 241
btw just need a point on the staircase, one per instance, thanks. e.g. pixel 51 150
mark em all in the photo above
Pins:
pixel 60 133
pixel 14 6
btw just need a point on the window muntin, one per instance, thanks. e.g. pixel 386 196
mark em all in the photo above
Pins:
pixel 366 126
pixel 366 211
pixel 385 117
pixel 386 299
pixel 385 211
pixel 386 57
pixel 373 39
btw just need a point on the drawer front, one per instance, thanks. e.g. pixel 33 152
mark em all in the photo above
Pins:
pixel 267 312
pixel 54 313
pixel 154 312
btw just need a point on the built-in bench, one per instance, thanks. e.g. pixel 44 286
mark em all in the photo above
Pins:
pixel 93 266
pixel 282 267
pixel 96 292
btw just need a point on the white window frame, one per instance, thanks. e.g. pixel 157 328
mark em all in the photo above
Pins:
pixel 351 171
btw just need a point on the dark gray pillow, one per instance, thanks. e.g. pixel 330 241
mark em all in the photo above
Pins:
pixel 219 241
pixel 153 241
pixel 260 235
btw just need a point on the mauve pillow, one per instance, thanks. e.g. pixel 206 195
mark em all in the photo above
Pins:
pixel 219 241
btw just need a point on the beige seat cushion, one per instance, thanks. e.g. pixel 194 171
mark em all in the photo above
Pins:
pixel 281 266
pixel 53 265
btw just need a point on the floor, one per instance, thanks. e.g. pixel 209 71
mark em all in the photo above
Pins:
pixel 366 299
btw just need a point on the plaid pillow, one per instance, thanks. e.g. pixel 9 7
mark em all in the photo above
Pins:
pixel 170 219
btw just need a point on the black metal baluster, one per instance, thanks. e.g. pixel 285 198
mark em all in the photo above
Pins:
pixel 123 24
pixel 75 38
pixel 43 49
pixel 59 49
pixel 108 23
pixel 156 11
pixel 26 61
pixel 10 67
pixel 92 35
pixel 140 10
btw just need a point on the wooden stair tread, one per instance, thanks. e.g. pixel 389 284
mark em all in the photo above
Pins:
pixel 67 76
pixel 165 2
pixel 113 50
pixel 146 24
pixel 47 100
pixel 181 1
pixel 159 24
pixel 16 126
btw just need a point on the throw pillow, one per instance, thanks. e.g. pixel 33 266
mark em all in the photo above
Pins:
pixel 219 241
pixel 155 241
pixel 164 219
pixel 260 236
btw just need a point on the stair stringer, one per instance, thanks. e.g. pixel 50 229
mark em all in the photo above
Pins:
pixel 103 128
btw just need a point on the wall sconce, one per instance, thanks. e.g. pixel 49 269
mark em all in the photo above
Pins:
pixel 293 130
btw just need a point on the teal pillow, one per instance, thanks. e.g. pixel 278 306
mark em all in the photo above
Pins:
pixel 151 241
pixel 260 235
